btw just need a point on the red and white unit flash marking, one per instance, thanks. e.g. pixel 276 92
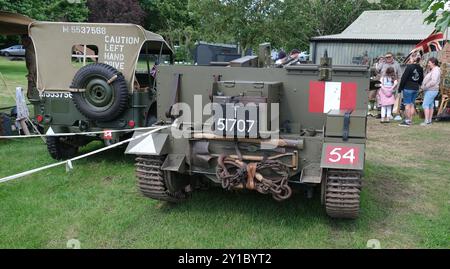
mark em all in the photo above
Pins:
pixel 326 96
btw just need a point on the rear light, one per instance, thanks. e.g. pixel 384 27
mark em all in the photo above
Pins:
pixel 131 123
pixel 39 118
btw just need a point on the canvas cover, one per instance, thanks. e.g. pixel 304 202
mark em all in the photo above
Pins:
pixel 117 45
pixel 13 24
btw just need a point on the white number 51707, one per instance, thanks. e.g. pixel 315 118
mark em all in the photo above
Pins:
pixel 230 124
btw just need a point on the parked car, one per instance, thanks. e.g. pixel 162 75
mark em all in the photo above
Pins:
pixel 16 50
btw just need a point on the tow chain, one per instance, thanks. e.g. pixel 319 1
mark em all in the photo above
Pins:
pixel 236 174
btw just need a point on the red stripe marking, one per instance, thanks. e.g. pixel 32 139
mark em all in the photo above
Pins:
pixel 349 91
pixel 316 96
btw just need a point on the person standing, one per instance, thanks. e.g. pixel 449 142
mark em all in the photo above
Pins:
pixel 430 86
pixel 410 83
pixel 386 94
pixel 388 61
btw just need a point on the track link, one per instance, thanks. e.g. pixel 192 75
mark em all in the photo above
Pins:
pixel 342 194
pixel 151 180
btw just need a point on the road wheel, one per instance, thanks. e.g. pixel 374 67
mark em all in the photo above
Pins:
pixel 105 94
pixel 60 149
pixel 6 54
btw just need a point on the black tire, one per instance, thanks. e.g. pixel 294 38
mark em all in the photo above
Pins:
pixel 100 101
pixel 59 150
pixel 6 54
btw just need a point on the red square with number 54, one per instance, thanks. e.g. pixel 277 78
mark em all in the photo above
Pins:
pixel 342 155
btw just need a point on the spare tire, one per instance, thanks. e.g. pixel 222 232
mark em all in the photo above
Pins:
pixel 105 94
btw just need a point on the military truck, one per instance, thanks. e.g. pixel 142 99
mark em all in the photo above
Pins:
pixel 269 130
pixel 93 77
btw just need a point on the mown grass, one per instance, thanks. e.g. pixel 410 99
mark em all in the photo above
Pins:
pixel 405 203
pixel 14 75
pixel 97 203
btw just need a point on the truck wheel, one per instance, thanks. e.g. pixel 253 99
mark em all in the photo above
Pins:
pixel 342 193
pixel 59 150
pixel 154 183
pixel 105 94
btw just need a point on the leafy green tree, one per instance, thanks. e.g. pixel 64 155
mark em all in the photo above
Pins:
pixel 439 14
pixel 247 22
pixel 115 11
pixel 333 16
pixel 285 24
pixel 174 20
pixel 396 4
pixel 50 10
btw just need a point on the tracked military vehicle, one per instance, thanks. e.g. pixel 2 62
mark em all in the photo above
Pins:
pixel 259 128
pixel 94 77
pixel 246 126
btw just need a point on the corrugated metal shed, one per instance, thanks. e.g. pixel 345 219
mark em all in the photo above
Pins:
pixel 352 53
pixel 385 25
pixel 373 34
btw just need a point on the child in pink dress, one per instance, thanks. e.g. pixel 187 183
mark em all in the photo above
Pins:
pixel 386 95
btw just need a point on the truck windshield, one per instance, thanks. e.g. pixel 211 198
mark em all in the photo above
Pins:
pixel 147 66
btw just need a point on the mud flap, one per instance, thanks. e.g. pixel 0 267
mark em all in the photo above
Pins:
pixel 174 163
pixel 343 156
pixel 311 173
pixel 173 167
pixel 152 144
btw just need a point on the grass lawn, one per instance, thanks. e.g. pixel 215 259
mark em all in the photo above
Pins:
pixel 405 202
pixel 14 75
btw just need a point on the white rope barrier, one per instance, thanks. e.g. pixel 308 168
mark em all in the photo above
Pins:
pixel 68 163
pixel 74 134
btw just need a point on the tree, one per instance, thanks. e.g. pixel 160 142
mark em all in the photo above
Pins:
pixel 293 26
pixel 395 4
pixel 174 20
pixel 439 14
pixel 49 10
pixel 285 24
pixel 45 10
pixel 247 22
pixel 116 11
pixel 333 16
pixel 301 20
